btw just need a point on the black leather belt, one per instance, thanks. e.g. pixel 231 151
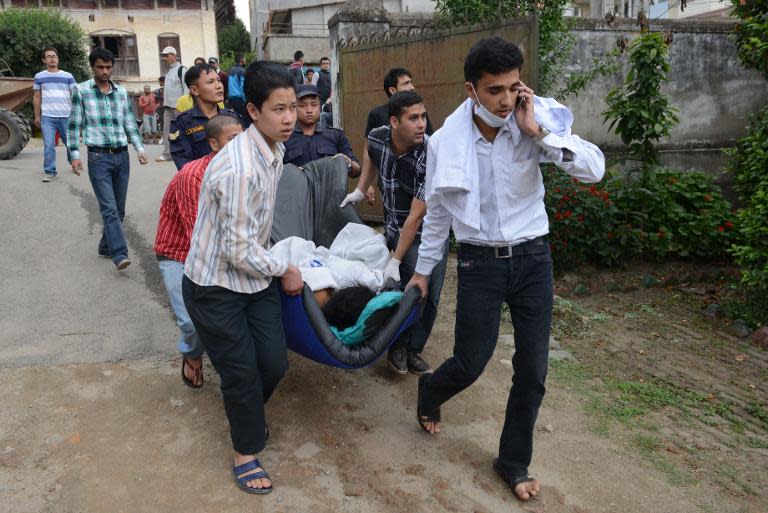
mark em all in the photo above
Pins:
pixel 530 247
pixel 104 149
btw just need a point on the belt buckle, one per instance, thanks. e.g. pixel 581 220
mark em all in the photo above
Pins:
pixel 502 251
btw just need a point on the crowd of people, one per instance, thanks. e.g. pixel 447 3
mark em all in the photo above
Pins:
pixel 478 175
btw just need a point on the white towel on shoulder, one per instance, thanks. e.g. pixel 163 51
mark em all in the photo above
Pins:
pixel 456 176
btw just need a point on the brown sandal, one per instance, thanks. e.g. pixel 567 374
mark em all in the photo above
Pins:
pixel 198 371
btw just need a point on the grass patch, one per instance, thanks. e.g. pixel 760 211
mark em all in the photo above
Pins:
pixel 758 412
pixel 650 448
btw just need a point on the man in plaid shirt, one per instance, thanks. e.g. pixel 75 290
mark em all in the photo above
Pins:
pixel 178 213
pixel 103 111
pixel 398 152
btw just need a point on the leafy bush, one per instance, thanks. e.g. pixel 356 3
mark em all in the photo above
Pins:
pixel 681 214
pixel 639 112
pixel 676 213
pixel 751 33
pixel 25 32
pixel 581 220
pixel 748 161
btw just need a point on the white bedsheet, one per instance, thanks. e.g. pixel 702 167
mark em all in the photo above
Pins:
pixel 357 256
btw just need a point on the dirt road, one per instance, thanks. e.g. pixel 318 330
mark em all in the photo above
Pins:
pixel 94 417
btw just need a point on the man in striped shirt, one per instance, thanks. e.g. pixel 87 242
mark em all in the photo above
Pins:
pixel 228 284
pixel 178 212
pixel 52 106
pixel 103 111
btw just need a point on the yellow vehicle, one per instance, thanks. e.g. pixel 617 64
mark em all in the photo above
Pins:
pixel 14 130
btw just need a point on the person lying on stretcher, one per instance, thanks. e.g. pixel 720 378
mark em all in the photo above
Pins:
pixel 346 279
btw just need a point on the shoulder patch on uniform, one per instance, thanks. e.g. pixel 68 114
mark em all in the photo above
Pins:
pixel 174 135
pixel 194 129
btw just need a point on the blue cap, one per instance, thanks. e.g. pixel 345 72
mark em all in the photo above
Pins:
pixel 306 90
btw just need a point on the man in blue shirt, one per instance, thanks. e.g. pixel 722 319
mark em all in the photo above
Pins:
pixel 52 107
pixel 310 141
pixel 187 133
pixel 235 89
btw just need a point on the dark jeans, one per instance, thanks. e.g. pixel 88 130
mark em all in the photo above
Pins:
pixel 415 338
pixel 524 282
pixel 243 336
pixel 109 178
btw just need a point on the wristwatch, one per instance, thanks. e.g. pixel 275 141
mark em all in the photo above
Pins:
pixel 543 132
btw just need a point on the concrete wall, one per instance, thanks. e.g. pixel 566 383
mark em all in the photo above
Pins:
pixel 196 31
pixel 281 48
pixel 712 91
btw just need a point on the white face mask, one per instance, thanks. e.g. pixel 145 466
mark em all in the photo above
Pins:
pixel 488 117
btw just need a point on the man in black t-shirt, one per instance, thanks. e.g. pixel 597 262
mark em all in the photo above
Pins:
pixel 395 81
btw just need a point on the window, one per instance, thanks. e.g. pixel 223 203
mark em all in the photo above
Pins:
pixel 138 4
pixel 188 4
pixel 125 52
pixel 80 4
pixel 164 40
pixel 165 3
pixel 110 4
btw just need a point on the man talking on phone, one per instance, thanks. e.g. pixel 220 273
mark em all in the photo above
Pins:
pixel 483 179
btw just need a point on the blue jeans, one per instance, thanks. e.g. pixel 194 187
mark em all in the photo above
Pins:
pixel 109 178
pixel 524 283
pixel 189 343
pixel 415 338
pixel 49 126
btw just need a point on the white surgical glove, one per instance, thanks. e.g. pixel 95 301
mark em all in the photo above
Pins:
pixel 392 270
pixel 353 197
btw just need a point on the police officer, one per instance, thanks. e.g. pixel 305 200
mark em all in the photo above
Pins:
pixel 310 141
pixel 187 133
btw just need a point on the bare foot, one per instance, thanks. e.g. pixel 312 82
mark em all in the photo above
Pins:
pixel 193 370
pixel 432 428
pixel 527 490
pixel 253 483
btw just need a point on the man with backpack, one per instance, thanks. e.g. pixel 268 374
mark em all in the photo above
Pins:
pixel 174 89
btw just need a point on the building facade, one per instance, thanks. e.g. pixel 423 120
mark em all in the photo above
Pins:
pixel 135 31
pixel 280 27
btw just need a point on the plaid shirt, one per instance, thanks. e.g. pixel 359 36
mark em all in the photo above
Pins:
pixel 107 119
pixel 401 178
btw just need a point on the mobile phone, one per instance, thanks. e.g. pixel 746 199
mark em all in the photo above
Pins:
pixel 519 101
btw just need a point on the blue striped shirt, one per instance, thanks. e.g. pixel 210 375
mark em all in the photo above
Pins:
pixel 55 91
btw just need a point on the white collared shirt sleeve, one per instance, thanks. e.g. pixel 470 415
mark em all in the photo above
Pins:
pixel 586 162
pixel 437 222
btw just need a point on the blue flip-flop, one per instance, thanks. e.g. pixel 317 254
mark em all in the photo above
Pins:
pixel 241 480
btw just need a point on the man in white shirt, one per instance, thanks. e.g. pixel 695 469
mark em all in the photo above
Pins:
pixel 52 105
pixel 483 179
pixel 174 88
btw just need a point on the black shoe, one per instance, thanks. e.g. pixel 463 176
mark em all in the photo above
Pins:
pixel 416 364
pixel 397 358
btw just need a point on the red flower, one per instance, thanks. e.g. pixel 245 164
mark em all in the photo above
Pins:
pixel 611 235
pixel 720 229
pixel 580 219
pixel 707 197
pixel 729 224
pixel 567 214
pixel 558 216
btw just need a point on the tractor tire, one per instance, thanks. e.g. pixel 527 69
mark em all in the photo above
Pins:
pixel 14 134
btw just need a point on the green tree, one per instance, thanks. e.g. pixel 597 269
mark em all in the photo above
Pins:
pixel 751 33
pixel 25 32
pixel 637 109
pixel 234 39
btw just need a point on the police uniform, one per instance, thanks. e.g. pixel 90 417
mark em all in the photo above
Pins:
pixel 325 142
pixel 187 136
